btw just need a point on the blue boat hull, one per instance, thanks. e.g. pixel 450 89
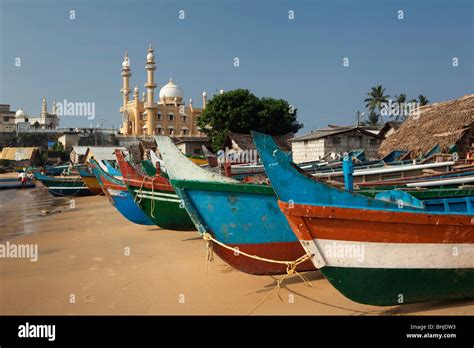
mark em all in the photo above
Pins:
pixel 121 198
pixel 252 223
pixel 124 203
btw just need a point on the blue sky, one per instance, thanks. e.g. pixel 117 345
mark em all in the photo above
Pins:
pixel 299 60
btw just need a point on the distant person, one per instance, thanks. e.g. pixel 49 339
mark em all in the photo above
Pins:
pixel 23 178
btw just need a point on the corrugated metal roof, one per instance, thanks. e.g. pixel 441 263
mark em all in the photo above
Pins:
pixel 80 150
pixel 322 133
pixel 103 153
pixel 18 153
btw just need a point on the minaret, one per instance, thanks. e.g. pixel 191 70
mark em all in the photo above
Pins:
pixel 204 100
pixel 54 110
pixel 150 106
pixel 44 111
pixel 44 107
pixel 126 73
pixel 135 94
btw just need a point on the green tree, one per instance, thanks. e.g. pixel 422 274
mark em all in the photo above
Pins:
pixel 240 111
pixel 376 98
pixel 423 100
pixel 373 119
pixel 400 100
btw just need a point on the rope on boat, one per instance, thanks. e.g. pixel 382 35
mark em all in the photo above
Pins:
pixel 290 265
pixel 140 193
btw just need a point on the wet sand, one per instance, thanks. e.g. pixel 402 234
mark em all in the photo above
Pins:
pixel 82 253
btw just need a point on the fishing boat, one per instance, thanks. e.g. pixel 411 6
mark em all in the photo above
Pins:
pixel 243 216
pixel 14 183
pixel 109 168
pixel 90 180
pixel 374 251
pixel 387 172
pixel 55 170
pixel 119 196
pixel 63 186
pixel 156 197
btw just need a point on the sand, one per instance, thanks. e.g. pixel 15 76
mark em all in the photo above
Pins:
pixel 83 269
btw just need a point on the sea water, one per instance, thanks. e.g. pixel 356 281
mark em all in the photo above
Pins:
pixel 21 208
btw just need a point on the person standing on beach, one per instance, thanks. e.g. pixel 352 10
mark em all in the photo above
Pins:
pixel 22 176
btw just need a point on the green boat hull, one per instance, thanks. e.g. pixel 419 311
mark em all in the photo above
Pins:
pixel 400 286
pixel 164 208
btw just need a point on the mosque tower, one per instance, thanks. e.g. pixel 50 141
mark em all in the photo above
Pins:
pixel 150 106
pixel 44 111
pixel 126 73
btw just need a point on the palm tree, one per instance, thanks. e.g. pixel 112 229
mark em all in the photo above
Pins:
pixel 373 119
pixel 423 100
pixel 375 100
pixel 400 100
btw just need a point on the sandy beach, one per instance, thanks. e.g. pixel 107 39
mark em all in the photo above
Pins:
pixel 92 261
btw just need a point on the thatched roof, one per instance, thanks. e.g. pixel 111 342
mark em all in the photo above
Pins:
pixel 19 153
pixel 444 123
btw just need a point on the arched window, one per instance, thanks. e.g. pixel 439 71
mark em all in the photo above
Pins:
pixel 159 116
pixel 170 130
pixel 170 117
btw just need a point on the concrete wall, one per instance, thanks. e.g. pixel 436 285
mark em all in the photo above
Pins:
pixel 312 150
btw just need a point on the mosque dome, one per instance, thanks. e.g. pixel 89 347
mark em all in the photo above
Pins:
pixel 170 90
pixel 20 113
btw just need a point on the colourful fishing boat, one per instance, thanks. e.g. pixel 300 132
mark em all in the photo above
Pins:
pixel 374 252
pixel 156 197
pixel 90 180
pixel 243 216
pixel 119 196
pixel 63 186
pixel 15 183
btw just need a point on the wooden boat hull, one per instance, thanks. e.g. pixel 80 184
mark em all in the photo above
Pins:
pixel 246 217
pixel 92 184
pixel 408 258
pixel 156 198
pixel 7 184
pixel 120 197
pixel 91 181
pixel 374 252
pixel 239 215
pixel 61 187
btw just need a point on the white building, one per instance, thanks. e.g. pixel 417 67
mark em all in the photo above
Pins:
pixel 334 140
pixel 46 120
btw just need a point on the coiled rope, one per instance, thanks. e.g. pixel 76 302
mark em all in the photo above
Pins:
pixel 290 265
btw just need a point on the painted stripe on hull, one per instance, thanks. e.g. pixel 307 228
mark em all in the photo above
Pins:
pixel 391 287
pixel 158 196
pixel 69 191
pixel 396 255
pixel 164 212
pixel 362 225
